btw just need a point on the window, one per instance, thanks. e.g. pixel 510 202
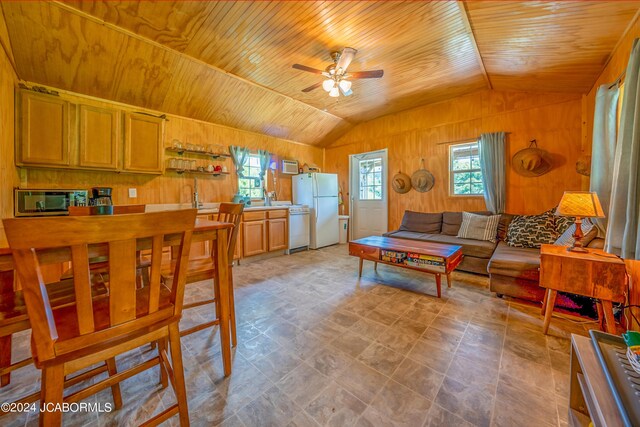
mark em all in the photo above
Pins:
pixel 371 179
pixel 251 184
pixel 464 170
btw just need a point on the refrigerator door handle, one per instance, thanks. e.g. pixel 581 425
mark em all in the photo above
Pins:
pixel 317 209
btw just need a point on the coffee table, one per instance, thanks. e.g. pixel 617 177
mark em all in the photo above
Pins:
pixel 427 257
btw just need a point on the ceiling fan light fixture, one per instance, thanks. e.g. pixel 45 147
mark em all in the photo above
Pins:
pixel 327 84
pixel 334 92
pixel 345 85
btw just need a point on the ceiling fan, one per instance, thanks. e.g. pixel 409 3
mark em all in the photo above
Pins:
pixel 338 80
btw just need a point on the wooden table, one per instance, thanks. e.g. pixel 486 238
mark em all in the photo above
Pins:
pixel 205 230
pixel 427 257
pixel 595 274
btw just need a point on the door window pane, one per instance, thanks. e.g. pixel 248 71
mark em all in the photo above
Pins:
pixel 370 179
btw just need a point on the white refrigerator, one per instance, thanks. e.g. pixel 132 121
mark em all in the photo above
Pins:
pixel 319 191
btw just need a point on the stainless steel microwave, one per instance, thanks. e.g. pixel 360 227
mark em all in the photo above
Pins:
pixel 47 202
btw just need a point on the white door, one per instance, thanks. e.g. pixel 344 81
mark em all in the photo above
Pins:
pixel 368 194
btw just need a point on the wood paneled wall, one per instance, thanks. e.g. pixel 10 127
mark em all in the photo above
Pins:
pixel 174 188
pixel 424 132
pixel 616 65
pixel 8 174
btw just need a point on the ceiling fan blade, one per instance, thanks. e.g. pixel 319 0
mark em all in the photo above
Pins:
pixel 347 55
pixel 305 68
pixel 310 88
pixel 373 74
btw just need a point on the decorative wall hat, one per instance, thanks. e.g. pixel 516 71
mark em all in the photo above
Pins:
pixel 401 183
pixel 532 161
pixel 422 180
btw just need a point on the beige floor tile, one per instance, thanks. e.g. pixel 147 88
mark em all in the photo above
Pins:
pixel 447 339
pixel 397 405
pixel 368 328
pixel 419 378
pixel 271 408
pixel 303 384
pixel 335 406
pixel 362 381
pixel 330 361
pixel 440 417
pixel 381 358
pixel 351 343
pixel 431 355
pixel 535 374
pixel 472 402
pixel 277 364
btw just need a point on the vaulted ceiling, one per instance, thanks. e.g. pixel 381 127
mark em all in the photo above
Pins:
pixel 230 62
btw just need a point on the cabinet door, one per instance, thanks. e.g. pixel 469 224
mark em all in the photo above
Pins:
pixel 44 130
pixel 99 137
pixel 277 234
pixel 254 240
pixel 143 143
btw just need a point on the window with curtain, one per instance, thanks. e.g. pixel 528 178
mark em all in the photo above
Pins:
pixel 465 177
pixel 251 184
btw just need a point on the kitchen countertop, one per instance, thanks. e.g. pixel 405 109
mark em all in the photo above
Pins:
pixel 207 208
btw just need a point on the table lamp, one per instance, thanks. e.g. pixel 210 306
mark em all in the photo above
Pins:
pixel 579 204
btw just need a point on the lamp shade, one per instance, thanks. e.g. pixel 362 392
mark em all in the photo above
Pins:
pixel 580 203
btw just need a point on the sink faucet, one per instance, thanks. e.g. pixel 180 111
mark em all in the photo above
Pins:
pixel 195 203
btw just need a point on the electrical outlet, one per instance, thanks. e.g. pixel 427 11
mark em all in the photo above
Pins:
pixel 133 193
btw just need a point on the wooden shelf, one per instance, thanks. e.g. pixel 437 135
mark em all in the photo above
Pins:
pixel 189 171
pixel 181 151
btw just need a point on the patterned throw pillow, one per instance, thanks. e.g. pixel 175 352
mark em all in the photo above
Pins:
pixel 479 227
pixel 531 231
pixel 566 239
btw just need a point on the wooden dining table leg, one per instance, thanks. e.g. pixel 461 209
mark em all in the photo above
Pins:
pixel 6 284
pixel 221 273
pixel 5 359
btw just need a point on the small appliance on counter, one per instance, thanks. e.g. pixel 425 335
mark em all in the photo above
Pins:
pixel 43 202
pixel 101 196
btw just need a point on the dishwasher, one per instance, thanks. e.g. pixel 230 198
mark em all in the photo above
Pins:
pixel 298 227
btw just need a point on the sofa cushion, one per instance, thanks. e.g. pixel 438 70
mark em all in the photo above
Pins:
pixel 515 262
pixel 479 227
pixel 470 247
pixel 421 222
pixel 531 231
pixel 451 222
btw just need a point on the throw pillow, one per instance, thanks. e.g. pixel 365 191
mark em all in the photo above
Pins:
pixel 531 231
pixel 451 222
pixel 588 229
pixel 479 227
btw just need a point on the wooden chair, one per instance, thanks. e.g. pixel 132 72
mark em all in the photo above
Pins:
pixel 98 266
pixel 203 268
pixel 68 339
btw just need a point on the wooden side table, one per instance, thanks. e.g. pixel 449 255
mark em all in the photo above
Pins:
pixel 595 274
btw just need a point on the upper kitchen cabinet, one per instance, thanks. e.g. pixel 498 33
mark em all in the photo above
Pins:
pixel 143 143
pixel 100 137
pixel 44 123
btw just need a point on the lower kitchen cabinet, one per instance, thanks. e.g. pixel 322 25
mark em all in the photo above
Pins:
pixel 254 238
pixel 277 234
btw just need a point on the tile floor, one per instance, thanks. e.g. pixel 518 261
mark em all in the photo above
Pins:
pixel 318 346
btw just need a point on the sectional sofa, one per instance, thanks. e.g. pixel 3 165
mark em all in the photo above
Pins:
pixel 512 271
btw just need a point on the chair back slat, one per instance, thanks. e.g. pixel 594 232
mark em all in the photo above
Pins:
pixel 155 276
pixel 122 281
pixel 76 239
pixel 231 212
pixel 82 288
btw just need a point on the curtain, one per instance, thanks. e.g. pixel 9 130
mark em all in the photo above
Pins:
pixel 265 157
pixel 494 168
pixel 239 155
pixel 623 233
pixel 603 149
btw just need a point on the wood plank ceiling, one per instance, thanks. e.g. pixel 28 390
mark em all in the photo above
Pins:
pixel 230 62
